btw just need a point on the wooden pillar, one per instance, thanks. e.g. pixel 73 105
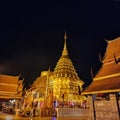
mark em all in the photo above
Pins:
pixel 91 107
pixel 114 105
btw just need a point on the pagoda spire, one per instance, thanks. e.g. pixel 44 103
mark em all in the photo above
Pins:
pixel 65 52
pixel 65 78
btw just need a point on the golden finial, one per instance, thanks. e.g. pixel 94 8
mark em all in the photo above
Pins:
pixel 65 36
pixel 65 52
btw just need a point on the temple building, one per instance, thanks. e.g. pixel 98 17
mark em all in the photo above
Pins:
pixel 59 88
pixel 11 91
pixel 105 87
pixel 10 87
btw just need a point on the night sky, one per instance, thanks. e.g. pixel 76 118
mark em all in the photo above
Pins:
pixel 32 35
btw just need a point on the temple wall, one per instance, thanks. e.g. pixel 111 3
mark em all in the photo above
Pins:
pixel 106 109
pixel 91 107
pixel 77 112
pixel 67 112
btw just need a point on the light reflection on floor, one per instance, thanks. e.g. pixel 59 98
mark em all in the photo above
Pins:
pixel 4 116
pixel 54 118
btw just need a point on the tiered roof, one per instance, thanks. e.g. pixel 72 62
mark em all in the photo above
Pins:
pixel 10 87
pixel 40 82
pixel 113 50
pixel 108 77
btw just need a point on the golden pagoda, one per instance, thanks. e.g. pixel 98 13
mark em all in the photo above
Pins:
pixel 66 84
pixel 63 84
pixel 60 88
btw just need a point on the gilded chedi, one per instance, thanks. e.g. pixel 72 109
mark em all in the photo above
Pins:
pixel 62 86
pixel 66 83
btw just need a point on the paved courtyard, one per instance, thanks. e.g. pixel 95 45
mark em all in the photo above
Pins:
pixel 13 117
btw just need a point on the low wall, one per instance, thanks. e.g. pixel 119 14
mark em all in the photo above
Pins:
pixel 107 109
pixel 72 112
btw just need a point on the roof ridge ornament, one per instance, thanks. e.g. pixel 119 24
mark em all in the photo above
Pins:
pixel 100 58
pixel 116 60
pixel 65 35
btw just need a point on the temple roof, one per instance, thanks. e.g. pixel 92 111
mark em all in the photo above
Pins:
pixel 108 77
pixel 8 79
pixel 10 86
pixel 108 69
pixel 113 49
pixel 64 67
pixel 41 81
pixel 107 85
